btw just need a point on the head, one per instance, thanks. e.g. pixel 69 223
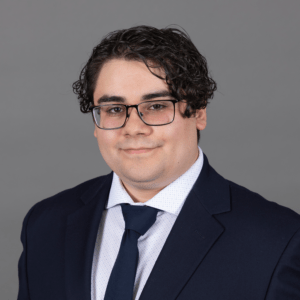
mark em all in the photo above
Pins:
pixel 131 64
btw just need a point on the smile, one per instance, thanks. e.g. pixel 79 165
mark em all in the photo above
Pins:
pixel 138 151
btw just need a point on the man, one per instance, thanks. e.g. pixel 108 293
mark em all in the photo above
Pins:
pixel 163 224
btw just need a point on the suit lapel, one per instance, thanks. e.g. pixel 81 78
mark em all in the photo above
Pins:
pixel 192 236
pixel 82 228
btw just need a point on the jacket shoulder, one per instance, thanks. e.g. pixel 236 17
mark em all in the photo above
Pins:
pixel 66 201
pixel 254 209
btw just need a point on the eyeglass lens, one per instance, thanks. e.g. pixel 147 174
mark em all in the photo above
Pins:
pixel 109 116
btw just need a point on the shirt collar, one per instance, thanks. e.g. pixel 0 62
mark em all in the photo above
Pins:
pixel 169 199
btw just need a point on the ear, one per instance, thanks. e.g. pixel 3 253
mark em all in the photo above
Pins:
pixel 201 118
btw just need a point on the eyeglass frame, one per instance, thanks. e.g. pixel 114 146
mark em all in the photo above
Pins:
pixel 174 101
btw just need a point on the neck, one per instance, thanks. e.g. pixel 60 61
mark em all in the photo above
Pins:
pixel 138 195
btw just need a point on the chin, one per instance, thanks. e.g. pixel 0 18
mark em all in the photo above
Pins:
pixel 140 178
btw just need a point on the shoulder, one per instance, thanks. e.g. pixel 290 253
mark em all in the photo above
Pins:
pixel 257 216
pixel 64 202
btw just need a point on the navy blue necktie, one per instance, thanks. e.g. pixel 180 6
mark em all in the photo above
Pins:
pixel 138 219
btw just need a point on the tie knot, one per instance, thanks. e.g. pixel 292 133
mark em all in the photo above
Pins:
pixel 139 218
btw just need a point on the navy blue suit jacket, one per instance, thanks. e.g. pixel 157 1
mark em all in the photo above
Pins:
pixel 227 243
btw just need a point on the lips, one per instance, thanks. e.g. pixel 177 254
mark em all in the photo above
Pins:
pixel 141 148
pixel 138 150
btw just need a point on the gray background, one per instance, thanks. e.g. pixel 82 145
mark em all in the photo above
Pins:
pixel 47 145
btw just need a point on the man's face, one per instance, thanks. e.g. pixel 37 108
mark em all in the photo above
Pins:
pixel 169 150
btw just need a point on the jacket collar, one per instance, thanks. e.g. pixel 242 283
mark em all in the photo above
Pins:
pixel 92 191
pixel 212 190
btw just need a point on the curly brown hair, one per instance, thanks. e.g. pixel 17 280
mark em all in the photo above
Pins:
pixel 169 49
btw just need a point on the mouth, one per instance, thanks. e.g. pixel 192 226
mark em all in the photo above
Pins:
pixel 138 150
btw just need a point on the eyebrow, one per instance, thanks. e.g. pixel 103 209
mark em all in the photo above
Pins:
pixel 107 98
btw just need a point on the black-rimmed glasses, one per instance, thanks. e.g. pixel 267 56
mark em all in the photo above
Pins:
pixel 152 113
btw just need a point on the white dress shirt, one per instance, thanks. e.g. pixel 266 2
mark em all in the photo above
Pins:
pixel 169 200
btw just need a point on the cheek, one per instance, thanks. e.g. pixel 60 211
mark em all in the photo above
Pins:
pixel 180 131
pixel 106 141
pixel 182 138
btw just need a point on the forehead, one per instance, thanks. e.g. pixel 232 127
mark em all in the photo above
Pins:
pixel 128 79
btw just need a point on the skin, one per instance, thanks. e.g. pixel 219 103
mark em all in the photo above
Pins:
pixel 173 147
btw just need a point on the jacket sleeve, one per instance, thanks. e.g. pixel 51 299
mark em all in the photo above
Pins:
pixel 22 266
pixel 285 283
